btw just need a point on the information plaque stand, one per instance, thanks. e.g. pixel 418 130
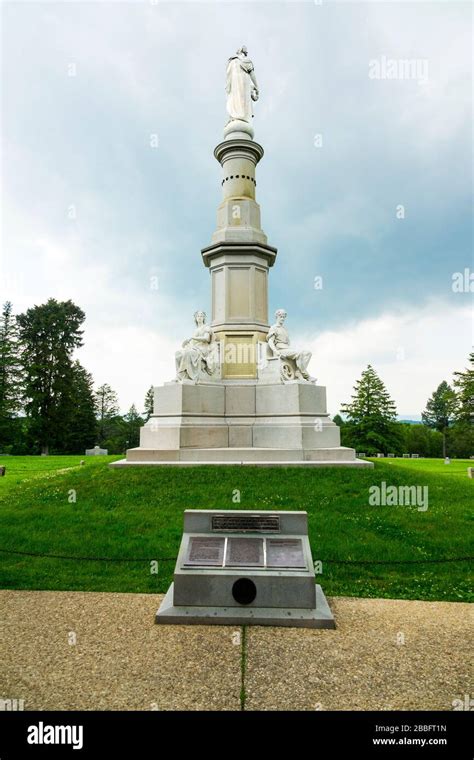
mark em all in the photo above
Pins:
pixel 238 567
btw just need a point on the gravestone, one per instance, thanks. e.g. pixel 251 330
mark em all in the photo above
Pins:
pixel 391 456
pixel 245 568
pixel 447 460
pixel 470 472
pixel 406 456
pixel 96 452
pixel 380 456
pixel 414 456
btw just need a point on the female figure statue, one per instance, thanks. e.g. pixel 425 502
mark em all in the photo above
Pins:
pixel 196 352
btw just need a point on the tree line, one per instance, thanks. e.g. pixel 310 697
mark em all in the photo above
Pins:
pixel 48 403
pixel 369 422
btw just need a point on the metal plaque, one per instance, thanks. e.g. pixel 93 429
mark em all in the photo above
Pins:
pixel 244 552
pixel 208 551
pixel 285 552
pixel 246 523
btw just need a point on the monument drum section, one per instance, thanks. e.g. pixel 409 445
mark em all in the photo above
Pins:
pixel 242 392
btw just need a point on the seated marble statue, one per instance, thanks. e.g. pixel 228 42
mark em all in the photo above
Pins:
pixel 279 342
pixel 196 353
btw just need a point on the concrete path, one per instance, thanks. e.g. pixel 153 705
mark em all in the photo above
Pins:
pixel 86 651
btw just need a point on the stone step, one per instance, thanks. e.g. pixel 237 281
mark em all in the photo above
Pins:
pixel 337 455
pixel 355 463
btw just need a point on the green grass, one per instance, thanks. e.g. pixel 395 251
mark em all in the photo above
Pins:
pixel 23 468
pixel 138 513
pixel 457 469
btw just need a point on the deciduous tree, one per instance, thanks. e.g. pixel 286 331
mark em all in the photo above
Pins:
pixel 107 408
pixel 149 402
pixel 441 410
pixel 11 378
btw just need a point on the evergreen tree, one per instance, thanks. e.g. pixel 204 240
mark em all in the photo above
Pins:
pixel 134 423
pixel 149 402
pixel 440 410
pixel 81 428
pixel 48 334
pixel 106 409
pixel 371 416
pixel 10 375
pixel 464 385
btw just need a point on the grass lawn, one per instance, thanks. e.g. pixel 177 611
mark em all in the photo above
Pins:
pixel 138 513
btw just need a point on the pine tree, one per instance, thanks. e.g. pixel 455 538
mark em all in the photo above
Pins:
pixel 81 429
pixel 49 333
pixel 149 403
pixel 10 374
pixel 440 410
pixel 106 408
pixel 464 385
pixel 371 416
pixel 134 423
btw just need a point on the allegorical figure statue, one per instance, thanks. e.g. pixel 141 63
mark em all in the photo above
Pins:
pixel 279 342
pixel 196 352
pixel 241 86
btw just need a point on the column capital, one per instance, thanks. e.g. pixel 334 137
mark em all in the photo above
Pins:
pixel 231 149
pixel 239 250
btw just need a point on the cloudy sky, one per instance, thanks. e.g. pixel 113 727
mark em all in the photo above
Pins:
pixel 366 180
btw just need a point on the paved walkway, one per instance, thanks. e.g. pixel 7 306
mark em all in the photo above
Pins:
pixel 86 651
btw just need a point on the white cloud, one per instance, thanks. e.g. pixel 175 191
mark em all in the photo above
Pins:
pixel 412 352
pixel 130 359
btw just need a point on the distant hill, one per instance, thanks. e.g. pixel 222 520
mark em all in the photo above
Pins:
pixel 399 419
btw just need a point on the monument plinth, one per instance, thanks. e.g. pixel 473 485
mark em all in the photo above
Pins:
pixel 242 392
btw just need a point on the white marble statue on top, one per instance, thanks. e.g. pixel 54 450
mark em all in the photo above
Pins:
pixel 279 342
pixel 241 86
pixel 197 352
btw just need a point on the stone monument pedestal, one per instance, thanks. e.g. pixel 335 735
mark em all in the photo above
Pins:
pixel 241 423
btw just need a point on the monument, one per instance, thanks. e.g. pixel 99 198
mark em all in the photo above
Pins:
pixel 242 392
